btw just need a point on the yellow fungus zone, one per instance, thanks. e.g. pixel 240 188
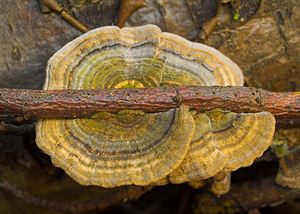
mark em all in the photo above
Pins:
pixel 129 84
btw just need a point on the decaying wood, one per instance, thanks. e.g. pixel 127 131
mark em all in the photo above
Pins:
pixel 261 193
pixel 132 192
pixel 85 103
pixel 246 196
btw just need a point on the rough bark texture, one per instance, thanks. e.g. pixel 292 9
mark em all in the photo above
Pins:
pixel 83 103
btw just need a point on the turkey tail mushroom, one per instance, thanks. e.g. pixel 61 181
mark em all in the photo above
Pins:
pixel 132 147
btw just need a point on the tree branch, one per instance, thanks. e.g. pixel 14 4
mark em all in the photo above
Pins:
pixel 84 103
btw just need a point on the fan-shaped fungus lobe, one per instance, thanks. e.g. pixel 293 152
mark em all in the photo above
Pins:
pixel 224 141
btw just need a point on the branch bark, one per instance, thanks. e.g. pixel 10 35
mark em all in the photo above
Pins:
pixel 84 103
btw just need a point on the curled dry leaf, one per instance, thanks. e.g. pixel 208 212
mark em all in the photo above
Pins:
pixel 132 147
pixel 127 8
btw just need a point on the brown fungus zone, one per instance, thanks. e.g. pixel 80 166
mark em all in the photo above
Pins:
pixel 132 147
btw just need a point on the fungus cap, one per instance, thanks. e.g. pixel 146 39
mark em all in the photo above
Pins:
pixel 144 53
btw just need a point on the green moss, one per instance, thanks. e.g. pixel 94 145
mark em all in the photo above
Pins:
pixel 281 150
pixel 236 16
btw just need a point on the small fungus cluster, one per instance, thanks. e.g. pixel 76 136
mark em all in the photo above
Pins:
pixel 133 147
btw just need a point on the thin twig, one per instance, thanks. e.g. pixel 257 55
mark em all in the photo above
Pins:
pixel 84 103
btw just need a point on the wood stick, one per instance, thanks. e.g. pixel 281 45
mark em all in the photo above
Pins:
pixel 84 103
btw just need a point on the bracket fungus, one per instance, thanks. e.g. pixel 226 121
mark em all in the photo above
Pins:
pixel 224 141
pixel 132 147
